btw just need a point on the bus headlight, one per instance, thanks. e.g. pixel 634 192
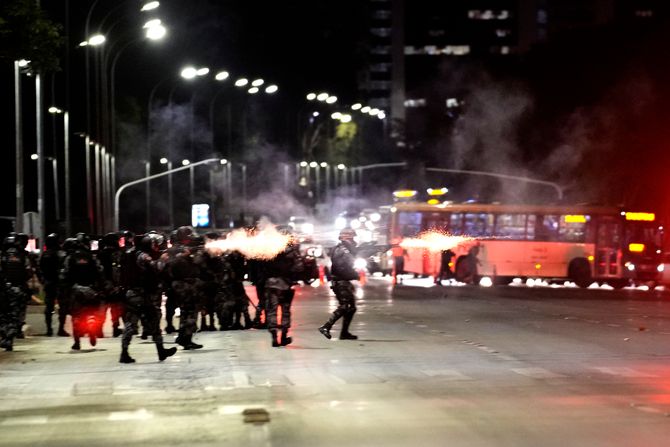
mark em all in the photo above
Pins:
pixel 360 263
pixel 630 266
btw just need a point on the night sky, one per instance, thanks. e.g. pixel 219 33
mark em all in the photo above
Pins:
pixel 587 109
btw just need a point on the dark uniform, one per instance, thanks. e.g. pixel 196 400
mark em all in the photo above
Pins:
pixel 15 271
pixel 282 272
pixel 186 285
pixel 445 268
pixel 143 297
pixel 257 276
pixel 342 273
pixel 84 272
pixel 110 257
pixel 49 270
pixel 241 300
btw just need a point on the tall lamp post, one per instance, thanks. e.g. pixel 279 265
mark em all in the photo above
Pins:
pixel 66 166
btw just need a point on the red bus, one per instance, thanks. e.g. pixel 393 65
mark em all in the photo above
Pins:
pixel 580 243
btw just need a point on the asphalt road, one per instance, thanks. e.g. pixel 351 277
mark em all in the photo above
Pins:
pixel 456 366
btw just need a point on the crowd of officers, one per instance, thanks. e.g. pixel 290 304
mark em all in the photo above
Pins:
pixel 128 275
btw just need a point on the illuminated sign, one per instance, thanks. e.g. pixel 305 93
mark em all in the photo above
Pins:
pixel 636 248
pixel 433 202
pixel 575 218
pixel 200 215
pixel 437 191
pixel 404 194
pixel 647 217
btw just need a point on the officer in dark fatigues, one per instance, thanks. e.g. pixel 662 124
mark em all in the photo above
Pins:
pixel 282 272
pixel 170 296
pixel 49 270
pixel 110 257
pixel 143 297
pixel 257 276
pixel 15 271
pixel 241 300
pixel 84 272
pixel 342 273
pixel 185 282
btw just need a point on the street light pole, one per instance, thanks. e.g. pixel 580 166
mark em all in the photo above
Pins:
pixel 66 162
pixel 117 196
pixel 40 161
pixel 18 125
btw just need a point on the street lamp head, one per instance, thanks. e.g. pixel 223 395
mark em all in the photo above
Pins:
pixel 163 161
pixel 96 40
pixel 303 164
pixel 253 90
pixel 341 167
pixel 315 114
pixel 223 161
pixel 365 109
pixel 23 63
pixel 185 162
pixel 150 6
pixel 374 112
pixel 258 82
pixel 156 32
pixel 356 106
pixel 324 164
pixel 222 76
pixel 311 96
pixel 381 115
pixel 189 73
pixel 202 71
pixel 336 115
pixel 345 118
pixel 152 23
pixel 34 156
pixel 313 164
pixel 271 89
pixel 241 82
pixel 54 110
pixel 331 99
pixel 322 96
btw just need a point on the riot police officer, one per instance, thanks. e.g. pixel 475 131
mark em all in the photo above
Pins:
pixel 342 273
pixel 84 272
pixel 15 271
pixel 184 274
pixel 282 272
pixel 143 297
pixel 110 257
pixel 49 269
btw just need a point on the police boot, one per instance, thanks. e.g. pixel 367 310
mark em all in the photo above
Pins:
pixel 275 343
pixel 76 345
pixel 61 327
pixel 237 324
pixel 187 343
pixel 345 334
pixel 47 320
pixel 6 344
pixel 247 321
pixel 285 339
pixel 125 357
pixel 169 328
pixel 325 330
pixel 164 353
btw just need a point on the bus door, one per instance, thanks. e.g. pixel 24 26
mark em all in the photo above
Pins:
pixel 608 240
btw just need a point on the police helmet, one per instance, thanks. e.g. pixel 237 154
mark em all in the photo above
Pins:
pixel 83 240
pixel 9 241
pixel 184 235
pixel 347 234
pixel 151 242
pixel 69 244
pixel 51 241
pixel 128 239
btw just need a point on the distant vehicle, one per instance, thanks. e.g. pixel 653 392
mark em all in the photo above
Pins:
pixel 580 243
pixel 377 258
pixel 303 227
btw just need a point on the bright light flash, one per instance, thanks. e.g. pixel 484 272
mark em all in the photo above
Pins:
pixel 360 264
pixel 149 6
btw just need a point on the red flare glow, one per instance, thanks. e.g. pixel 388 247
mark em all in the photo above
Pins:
pixel 434 240
pixel 264 244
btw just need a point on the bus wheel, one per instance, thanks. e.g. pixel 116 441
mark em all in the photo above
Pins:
pixel 579 272
pixel 464 271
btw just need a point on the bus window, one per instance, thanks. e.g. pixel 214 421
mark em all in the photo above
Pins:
pixel 530 227
pixel 436 221
pixel 456 224
pixel 573 228
pixel 475 224
pixel 409 224
pixel 512 226
pixel 546 228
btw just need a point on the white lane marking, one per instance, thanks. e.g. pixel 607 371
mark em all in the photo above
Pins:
pixel 623 372
pixel 537 373
pixel 139 415
pixel 448 374
pixel 25 420
pixel 241 379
